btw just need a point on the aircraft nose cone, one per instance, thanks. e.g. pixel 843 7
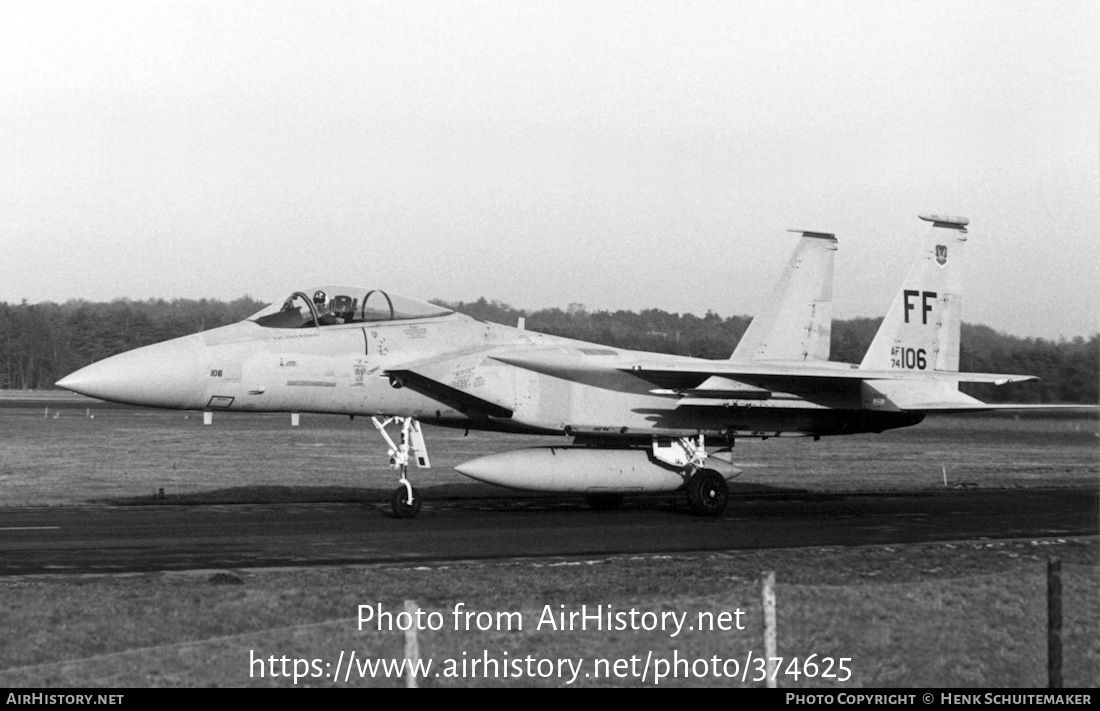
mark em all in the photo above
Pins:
pixel 170 374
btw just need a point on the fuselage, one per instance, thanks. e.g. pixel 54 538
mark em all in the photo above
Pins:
pixel 455 371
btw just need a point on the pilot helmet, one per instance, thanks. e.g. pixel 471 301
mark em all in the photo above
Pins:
pixel 319 298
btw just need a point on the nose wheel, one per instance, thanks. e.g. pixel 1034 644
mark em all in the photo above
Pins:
pixel 406 500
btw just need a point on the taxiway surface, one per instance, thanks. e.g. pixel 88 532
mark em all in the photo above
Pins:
pixel 111 539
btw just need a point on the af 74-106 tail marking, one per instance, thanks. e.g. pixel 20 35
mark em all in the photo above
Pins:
pixel 908 358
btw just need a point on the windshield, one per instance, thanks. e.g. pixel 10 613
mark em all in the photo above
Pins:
pixel 333 305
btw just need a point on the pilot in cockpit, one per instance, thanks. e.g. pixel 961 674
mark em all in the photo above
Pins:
pixel 325 314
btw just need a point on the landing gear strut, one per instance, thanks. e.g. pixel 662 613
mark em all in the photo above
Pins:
pixel 707 490
pixel 406 500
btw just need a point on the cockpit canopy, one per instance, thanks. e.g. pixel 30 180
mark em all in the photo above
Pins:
pixel 333 305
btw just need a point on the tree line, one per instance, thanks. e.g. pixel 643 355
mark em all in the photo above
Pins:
pixel 40 343
pixel 1069 369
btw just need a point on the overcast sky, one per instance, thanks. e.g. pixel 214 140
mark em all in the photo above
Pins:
pixel 617 154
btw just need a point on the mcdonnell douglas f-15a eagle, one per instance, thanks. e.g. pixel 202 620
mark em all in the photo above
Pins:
pixel 639 422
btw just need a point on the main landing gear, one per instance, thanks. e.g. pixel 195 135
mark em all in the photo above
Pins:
pixel 707 491
pixel 406 500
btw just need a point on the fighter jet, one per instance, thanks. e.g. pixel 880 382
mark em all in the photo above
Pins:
pixel 636 421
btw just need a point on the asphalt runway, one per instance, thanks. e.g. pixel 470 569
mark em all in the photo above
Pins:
pixel 115 539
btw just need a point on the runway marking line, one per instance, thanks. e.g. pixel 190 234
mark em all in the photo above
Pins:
pixel 30 528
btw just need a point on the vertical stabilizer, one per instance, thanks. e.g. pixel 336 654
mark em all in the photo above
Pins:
pixel 796 323
pixel 921 329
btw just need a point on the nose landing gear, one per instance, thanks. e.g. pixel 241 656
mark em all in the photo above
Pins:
pixel 406 500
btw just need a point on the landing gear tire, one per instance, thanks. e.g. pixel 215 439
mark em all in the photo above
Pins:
pixel 603 502
pixel 400 503
pixel 708 493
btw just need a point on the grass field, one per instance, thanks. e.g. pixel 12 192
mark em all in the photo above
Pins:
pixel 962 614
pixel 66 457
pixel 945 615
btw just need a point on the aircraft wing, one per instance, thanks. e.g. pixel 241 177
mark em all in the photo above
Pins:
pixel 898 390
pixel 688 374
pixel 688 371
